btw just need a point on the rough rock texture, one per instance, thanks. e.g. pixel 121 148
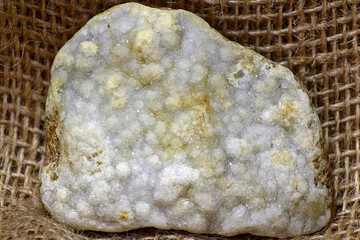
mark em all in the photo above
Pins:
pixel 155 119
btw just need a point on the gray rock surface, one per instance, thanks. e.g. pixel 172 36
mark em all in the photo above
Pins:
pixel 155 119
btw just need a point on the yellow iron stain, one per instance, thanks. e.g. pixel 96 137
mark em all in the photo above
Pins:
pixel 283 158
pixel 124 215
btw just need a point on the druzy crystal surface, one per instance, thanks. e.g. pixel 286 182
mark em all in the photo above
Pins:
pixel 155 119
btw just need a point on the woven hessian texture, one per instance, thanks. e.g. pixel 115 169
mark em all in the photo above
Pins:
pixel 318 40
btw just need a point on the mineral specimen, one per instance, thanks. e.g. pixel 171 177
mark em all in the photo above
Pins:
pixel 155 119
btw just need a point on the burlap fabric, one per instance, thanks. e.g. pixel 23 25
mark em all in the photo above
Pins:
pixel 318 40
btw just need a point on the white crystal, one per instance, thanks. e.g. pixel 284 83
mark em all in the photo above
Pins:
pixel 155 119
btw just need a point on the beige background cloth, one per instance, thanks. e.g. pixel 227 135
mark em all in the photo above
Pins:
pixel 318 40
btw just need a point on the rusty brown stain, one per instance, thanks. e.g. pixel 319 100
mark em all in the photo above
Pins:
pixel 53 144
pixel 139 54
pixel 96 154
pixel 93 155
pixel 52 139
pixel 95 171
pixel 53 177
pixel 124 215
pixel 322 166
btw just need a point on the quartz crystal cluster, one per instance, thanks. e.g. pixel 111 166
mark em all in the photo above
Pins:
pixel 156 120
